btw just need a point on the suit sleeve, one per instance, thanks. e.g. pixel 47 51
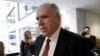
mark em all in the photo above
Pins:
pixel 93 40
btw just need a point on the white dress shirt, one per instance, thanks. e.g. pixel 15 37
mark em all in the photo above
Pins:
pixel 52 45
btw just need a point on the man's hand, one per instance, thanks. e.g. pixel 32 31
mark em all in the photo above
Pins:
pixel 87 35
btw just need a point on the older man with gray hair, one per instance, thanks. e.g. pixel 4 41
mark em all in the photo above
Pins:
pixel 54 40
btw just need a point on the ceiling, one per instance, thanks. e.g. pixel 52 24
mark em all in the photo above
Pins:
pixel 92 5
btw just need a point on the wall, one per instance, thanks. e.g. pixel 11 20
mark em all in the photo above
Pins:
pixel 69 19
pixel 81 20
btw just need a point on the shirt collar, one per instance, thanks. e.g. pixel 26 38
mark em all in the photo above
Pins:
pixel 55 35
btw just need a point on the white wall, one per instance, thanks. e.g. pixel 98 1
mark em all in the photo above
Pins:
pixel 81 20
pixel 69 19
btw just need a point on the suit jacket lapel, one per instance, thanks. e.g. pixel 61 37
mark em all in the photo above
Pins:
pixel 39 44
pixel 61 44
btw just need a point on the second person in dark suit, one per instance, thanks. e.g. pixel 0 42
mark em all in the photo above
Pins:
pixel 87 34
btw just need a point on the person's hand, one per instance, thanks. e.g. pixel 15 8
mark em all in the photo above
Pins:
pixel 87 35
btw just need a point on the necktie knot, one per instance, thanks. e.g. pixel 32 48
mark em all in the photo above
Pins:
pixel 48 40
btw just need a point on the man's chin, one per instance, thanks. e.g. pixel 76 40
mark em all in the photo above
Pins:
pixel 44 34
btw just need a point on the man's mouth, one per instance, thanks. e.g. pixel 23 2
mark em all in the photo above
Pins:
pixel 42 29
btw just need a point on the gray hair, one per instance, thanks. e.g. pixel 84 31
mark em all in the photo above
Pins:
pixel 54 7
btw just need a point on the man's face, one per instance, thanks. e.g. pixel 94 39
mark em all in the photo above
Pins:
pixel 86 30
pixel 48 21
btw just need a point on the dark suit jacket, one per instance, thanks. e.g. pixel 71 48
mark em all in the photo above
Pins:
pixel 68 44
pixel 92 38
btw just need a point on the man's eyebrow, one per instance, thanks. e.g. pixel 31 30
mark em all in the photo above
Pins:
pixel 44 16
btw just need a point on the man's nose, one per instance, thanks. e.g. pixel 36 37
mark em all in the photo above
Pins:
pixel 40 21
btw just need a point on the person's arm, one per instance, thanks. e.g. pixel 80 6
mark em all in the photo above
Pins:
pixel 93 40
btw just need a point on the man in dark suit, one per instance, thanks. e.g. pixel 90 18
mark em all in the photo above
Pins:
pixel 87 34
pixel 61 42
